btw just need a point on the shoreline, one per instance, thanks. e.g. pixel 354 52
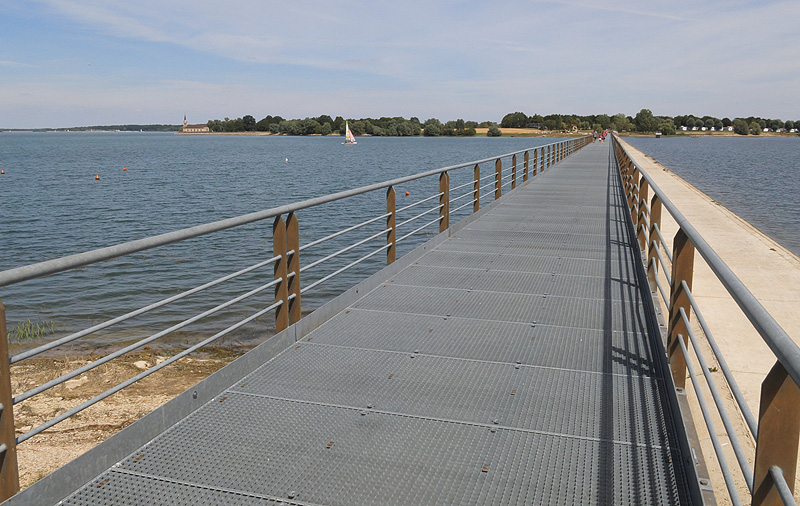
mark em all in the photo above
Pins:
pixel 58 445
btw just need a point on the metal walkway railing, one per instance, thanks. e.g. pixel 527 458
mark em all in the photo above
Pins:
pixel 777 432
pixel 434 211
pixel 513 359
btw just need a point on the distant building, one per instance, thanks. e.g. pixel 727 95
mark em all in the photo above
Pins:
pixel 194 129
pixel 683 127
pixel 729 128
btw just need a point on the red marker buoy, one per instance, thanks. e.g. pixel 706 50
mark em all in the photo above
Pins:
pixel 406 193
pixel 2 171
pixel 97 177
pixel 124 168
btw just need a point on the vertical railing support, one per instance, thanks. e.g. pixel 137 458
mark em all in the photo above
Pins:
pixel 476 189
pixel 642 227
pixel 535 160
pixel 545 157
pixel 444 201
pixel 498 178
pixel 280 270
pixel 391 226
pixel 525 161
pixel 778 435
pixel 293 268
pixel 682 270
pixel 513 172
pixel 652 239
pixel 9 472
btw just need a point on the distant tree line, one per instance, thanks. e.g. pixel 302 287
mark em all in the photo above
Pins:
pixel 646 122
pixel 325 125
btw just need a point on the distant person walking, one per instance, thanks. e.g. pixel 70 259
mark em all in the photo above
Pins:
pixel 594 136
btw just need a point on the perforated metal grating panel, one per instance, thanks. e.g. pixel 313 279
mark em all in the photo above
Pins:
pixel 511 365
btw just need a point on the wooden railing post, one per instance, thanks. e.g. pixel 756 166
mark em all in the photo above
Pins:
pixel 391 226
pixel 643 216
pixel 444 201
pixel 513 172
pixel 682 270
pixel 280 271
pixel 545 156
pixel 535 160
pixel 476 189
pixel 9 472
pixel 778 435
pixel 293 267
pixel 655 221
pixel 525 161
pixel 498 178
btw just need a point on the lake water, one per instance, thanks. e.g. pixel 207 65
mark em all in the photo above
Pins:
pixel 758 178
pixel 52 206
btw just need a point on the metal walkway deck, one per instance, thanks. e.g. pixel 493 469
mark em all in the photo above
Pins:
pixel 512 364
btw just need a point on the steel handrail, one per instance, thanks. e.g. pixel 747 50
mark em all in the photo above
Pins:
pixel 785 349
pixel 48 267
pixel 343 231
pixel 723 364
pixel 116 388
pixel 138 344
pixel 419 202
pixel 722 461
pixel 723 413
pixel 85 332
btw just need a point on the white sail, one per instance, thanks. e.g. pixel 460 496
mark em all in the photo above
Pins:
pixel 350 139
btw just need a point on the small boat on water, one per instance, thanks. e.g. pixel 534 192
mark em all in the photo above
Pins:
pixel 349 138
pixel 658 135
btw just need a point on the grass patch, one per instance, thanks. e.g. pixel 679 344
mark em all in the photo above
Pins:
pixel 28 331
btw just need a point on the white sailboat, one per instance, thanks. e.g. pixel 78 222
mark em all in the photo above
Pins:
pixel 349 138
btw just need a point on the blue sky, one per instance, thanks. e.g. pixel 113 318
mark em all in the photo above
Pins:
pixel 88 62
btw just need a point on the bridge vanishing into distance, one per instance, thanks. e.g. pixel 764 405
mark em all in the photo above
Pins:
pixel 534 352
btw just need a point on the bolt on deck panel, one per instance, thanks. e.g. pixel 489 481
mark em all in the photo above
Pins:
pixel 513 307
pixel 323 454
pixel 437 351
pixel 550 400
pixel 531 344
pixel 621 268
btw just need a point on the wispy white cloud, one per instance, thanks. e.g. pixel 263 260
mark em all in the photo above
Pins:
pixel 455 57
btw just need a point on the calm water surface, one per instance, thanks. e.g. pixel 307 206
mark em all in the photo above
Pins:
pixel 758 178
pixel 52 206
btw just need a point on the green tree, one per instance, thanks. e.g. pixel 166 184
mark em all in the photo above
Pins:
pixel 326 129
pixel 248 123
pixel 514 120
pixel 788 125
pixel 740 127
pixel 755 128
pixel 718 124
pixel 645 122
pixel 494 131
pixel 667 127
pixel 726 122
pixel 604 120
pixel 432 128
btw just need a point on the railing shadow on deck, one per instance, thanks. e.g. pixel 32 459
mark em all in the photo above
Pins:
pixel 389 227
pixel 670 271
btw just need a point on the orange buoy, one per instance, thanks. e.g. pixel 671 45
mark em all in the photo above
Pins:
pixel 124 168
pixel 2 171
pixel 406 193
pixel 97 177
